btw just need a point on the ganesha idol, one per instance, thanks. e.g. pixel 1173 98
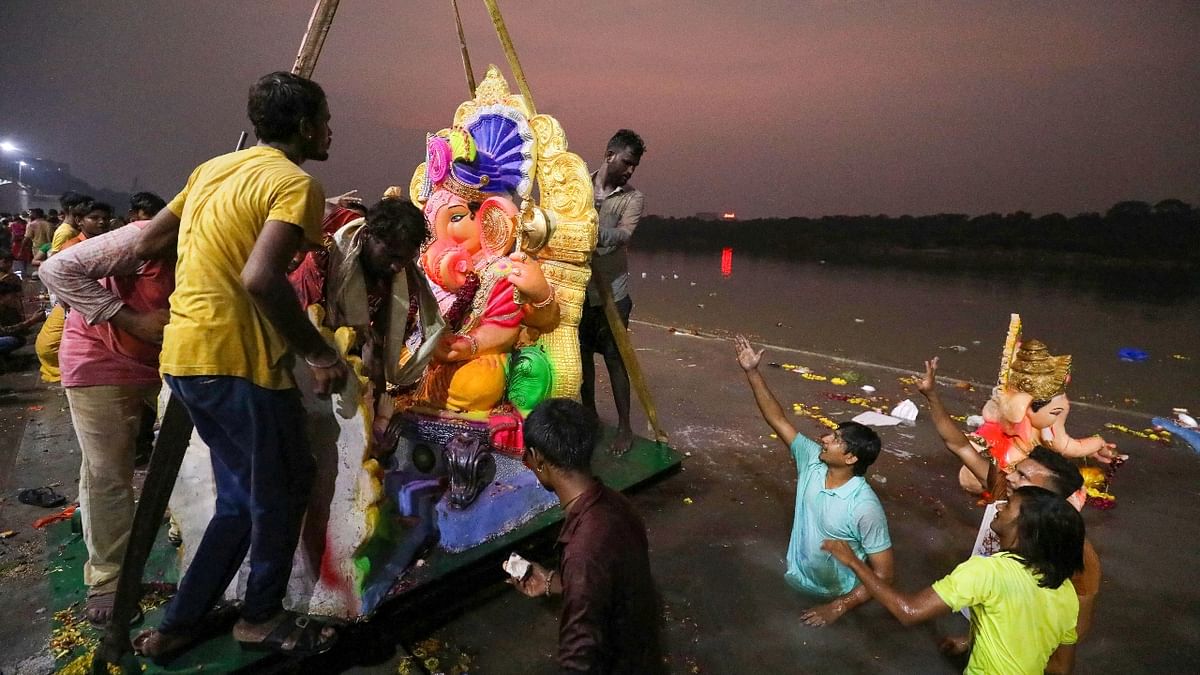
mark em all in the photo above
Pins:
pixel 1029 407
pixel 432 468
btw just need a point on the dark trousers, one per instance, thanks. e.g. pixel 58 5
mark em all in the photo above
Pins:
pixel 263 472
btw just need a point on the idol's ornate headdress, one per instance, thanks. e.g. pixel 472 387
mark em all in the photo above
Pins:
pixel 497 146
pixel 1039 373
pixel 497 149
pixel 1030 367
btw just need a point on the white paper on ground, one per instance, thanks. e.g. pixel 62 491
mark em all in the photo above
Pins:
pixel 907 411
pixel 876 419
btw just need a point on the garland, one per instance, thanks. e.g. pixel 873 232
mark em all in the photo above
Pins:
pixel 462 301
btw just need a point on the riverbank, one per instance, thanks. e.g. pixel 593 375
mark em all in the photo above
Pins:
pixel 719 532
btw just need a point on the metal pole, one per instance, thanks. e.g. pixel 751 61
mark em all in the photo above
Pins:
pixel 462 45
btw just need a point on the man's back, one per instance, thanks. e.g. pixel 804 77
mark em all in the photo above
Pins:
pixel 610 610
pixel 215 328
pixel 40 232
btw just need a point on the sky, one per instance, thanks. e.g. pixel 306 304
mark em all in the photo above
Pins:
pixel 768 108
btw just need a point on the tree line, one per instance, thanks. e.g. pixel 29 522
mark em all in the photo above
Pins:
pixel 1150 252
pixel 1131 232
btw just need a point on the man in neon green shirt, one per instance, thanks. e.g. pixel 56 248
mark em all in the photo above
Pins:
pixel 1023 606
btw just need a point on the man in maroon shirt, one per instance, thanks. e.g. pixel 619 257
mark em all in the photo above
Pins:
pixel 609 621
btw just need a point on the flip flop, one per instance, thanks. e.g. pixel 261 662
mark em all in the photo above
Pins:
pixel 295 635
pixel 44 497
pixel 98 609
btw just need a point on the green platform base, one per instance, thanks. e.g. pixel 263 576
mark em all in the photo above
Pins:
pixel 66 555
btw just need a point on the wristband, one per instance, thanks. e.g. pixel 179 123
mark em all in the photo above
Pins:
pixel 549 578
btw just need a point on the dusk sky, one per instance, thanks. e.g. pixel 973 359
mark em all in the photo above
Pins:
pixel 769 108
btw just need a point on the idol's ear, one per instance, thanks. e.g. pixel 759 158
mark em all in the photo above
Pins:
pixel 497 219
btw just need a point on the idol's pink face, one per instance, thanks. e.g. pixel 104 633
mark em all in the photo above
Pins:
pixel 1047 415
pixel 455 224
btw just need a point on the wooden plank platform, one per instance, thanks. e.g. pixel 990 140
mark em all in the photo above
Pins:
pixel 445 579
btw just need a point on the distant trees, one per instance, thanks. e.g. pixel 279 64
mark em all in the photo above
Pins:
pixel 1167 232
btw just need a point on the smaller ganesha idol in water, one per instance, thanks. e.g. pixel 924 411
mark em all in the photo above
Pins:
pixel 1029 407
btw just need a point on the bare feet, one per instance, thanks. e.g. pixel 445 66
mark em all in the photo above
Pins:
pixel 623 441
pixel 823 615
pixel 162 647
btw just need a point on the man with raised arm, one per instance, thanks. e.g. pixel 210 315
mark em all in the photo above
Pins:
pixel 1043 468
pixel 833 501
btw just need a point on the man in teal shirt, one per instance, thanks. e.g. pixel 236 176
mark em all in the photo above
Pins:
pixel 833 501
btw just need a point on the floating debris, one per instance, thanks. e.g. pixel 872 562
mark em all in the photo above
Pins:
pixel 1132 354
pixel 1148 434
pixel 813 412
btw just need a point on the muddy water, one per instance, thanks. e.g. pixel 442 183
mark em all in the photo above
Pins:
pixel 900 317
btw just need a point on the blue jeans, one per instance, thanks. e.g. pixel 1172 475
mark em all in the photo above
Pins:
pixel 10 343
pixel 263 471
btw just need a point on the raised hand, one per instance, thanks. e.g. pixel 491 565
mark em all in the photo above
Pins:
pixel 928 382
pixel 747 358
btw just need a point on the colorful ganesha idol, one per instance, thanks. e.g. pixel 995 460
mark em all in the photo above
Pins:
pixel 512 341
pixel 1029 407
pixel 432 484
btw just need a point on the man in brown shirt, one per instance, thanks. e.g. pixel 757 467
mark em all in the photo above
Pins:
pixel 609 620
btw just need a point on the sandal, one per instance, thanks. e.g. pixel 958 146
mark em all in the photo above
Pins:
pixel 162 648
pixel 294 635
pixel 44 497
pixel 98 609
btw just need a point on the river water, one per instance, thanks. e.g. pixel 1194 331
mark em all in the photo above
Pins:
pixel 899 317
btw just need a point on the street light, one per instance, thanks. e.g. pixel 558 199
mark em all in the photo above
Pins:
pixel 8 146
pixel 20 172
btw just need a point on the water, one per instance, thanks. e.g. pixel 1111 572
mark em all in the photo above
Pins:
pixel 899 317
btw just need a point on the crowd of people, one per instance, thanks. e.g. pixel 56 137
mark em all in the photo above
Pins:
pixel 202 292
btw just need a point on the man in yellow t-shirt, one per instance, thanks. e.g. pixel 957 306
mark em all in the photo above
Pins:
pixel 1023 605
pixel 227 356
pixel 68 229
